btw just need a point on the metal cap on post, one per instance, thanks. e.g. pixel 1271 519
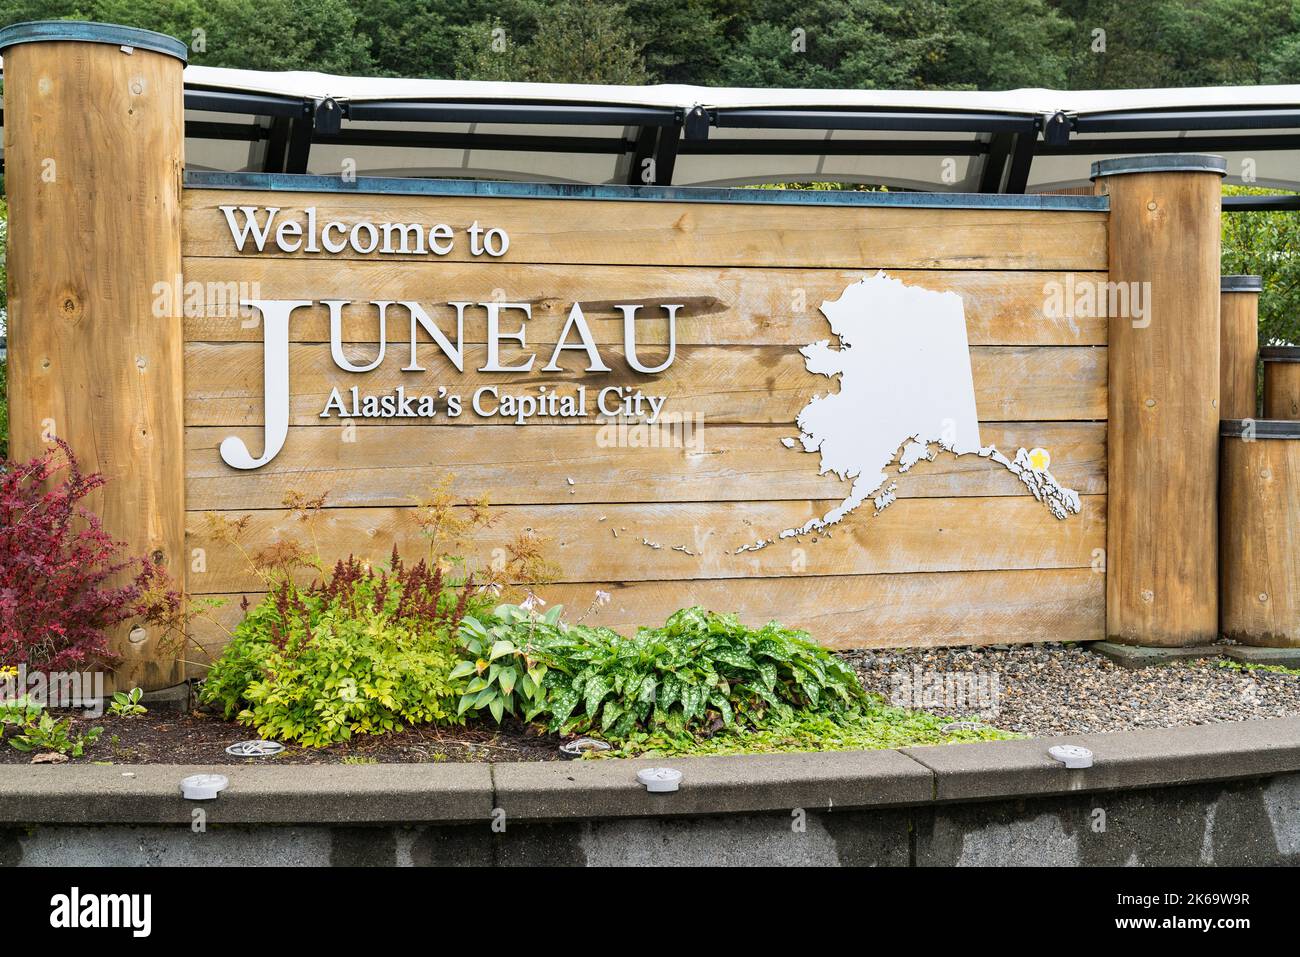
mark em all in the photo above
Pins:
pixel 1239 345
pixel 1163 429
pixel 94 150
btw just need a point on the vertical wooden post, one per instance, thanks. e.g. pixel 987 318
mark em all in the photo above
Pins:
pixel 1163 432
pixel 93 140
pixel 1260 532
pixel 1281 382
pixel 1239 346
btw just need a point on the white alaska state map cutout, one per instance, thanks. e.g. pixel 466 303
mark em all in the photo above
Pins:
pixel 906 393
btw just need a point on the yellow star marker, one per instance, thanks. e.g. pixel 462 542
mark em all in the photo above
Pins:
pixel 1039 460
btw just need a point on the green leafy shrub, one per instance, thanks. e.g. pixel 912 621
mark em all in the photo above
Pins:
pixel 126 704
pixel 48 734
pixel 502 673
pixel 698 673
pixel 19 712
pixel 38 730
pixel 358 652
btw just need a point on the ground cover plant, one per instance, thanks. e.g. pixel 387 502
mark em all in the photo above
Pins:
pixel 700 671
pixel 703 683
pixel 28 727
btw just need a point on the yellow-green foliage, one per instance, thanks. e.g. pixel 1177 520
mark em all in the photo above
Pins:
pixel 361 653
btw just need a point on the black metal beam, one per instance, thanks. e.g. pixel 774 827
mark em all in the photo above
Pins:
pixel 470 141
pixel 277 145
pixel 666 154
pixel 539 113
pixel 864 120
pixel 255 104
pixel 1173 144
pixel 643 149
pixel 822 147
pixel 300 137
pixel 245 132
pixel 1277 202
pixel 1173 120
pixel 995 164
pixel 1022 157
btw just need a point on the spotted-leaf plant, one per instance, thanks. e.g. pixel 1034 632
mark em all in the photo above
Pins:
pixel 700 672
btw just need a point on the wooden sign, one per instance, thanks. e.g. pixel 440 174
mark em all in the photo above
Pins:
pixel 637 383
pixel 889 418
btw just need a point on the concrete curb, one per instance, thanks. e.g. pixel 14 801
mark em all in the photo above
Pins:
pixel 737 784
pixel 607 789
pixel 1122 761
pixel 302 794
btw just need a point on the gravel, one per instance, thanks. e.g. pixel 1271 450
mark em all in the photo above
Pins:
pixel 1053 689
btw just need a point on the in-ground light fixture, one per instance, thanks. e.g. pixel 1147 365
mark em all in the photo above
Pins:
pixel 576 749
pixel 659 780
pixel 203 787
pixel 1071 755
pixel 255 749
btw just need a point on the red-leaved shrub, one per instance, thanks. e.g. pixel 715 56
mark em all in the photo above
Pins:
pixel 57 566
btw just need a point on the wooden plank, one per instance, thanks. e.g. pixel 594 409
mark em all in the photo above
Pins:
pixel 609 542
pixel 843 611
pixel 385 465
pixel 724 384
pixel 733 306
pixel 691 234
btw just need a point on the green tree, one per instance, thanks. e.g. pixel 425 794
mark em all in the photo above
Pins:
pixel 684 41
pixel 1267 244
pixel 575 41
pixel 250 34
pixel 1171 43
pixel 1001 45
pixel 838 43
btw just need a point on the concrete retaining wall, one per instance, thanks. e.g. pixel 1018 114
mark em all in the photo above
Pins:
pixel 1223 794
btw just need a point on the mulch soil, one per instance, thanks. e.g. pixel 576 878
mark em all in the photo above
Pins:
pixel 170 737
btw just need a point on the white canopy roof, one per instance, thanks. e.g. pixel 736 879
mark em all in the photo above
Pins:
pixel 947 141
pixel 1028 102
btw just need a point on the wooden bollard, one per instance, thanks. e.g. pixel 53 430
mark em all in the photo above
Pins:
pixel 1281 382
pixel 93 147
pixel 1163 431
pixel 1239 346
pixel 1260 532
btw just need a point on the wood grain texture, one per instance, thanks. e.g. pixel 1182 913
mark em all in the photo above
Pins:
pixel 1282 390
pixel 93 158
pixel 724 384
pixel 1164 411
pixel 1260 541
pixel 842 611
pixel 388 465
pixel 731 306
pixel 609 541
pixel 1238 354
pixel 693 234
